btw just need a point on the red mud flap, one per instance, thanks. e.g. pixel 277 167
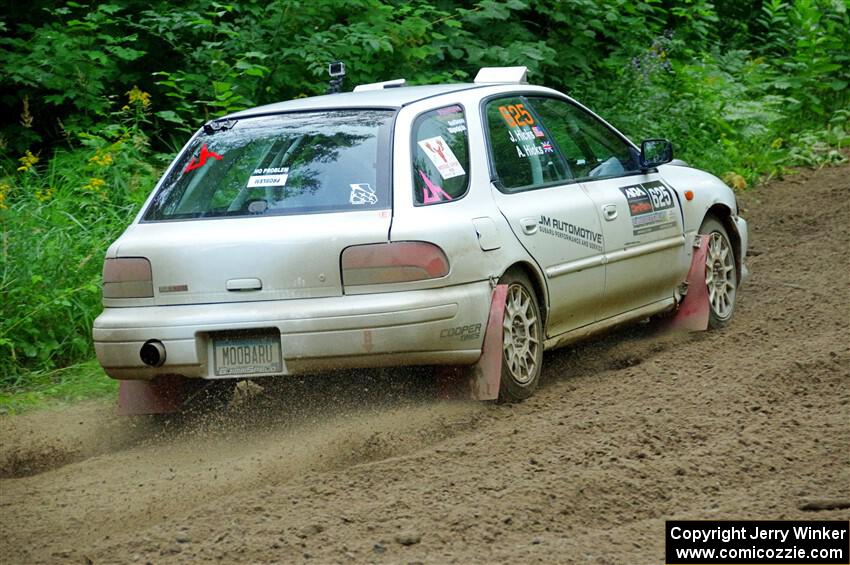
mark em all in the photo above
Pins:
pixel 159 396
pixel 693 311
pixel 480 381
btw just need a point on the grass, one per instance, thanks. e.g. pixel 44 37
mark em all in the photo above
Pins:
pixel 77 382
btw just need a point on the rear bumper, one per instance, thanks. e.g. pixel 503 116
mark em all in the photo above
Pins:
pixel 396 328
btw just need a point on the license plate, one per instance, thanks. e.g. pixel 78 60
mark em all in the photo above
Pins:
pixel 247 355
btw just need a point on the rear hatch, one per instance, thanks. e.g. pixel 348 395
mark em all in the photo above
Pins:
pixel 261 209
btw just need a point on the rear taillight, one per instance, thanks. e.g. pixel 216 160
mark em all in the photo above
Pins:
pixel 382 263
pixel 127 278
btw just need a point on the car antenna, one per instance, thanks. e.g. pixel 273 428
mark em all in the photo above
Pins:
pixel 336 70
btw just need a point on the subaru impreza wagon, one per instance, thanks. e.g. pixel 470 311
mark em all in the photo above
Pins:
pixel 369 229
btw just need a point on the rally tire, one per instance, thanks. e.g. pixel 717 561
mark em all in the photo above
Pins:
pixel 522 340
pixel 721 273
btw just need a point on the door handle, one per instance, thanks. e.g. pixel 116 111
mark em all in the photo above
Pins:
pixel 610 212
pixel 529 225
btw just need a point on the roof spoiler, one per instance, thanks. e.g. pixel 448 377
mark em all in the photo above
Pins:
pixel 380 85
pixel 507 75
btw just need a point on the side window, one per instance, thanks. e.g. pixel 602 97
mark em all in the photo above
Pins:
pixel 522 150
pixel 440 156
pixel 591 148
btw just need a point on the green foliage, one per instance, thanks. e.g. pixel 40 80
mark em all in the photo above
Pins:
pixel 56 220
pixel 68 384
pixel 94 97
pixel 70 61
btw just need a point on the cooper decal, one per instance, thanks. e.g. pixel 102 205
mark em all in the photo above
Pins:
pixel 651 206
pixel 570 232
pixel 462 333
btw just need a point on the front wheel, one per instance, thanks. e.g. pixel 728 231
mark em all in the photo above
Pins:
pixel 721 273
pixel 522 345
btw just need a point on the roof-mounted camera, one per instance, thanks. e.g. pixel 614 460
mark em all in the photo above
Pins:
pixel 336 70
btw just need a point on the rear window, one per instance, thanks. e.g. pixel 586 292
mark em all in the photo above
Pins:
pixel 301 163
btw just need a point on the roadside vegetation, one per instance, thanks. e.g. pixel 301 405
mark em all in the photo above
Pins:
pixel 96 98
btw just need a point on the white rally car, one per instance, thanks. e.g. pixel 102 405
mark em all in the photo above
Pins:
pixel 370 229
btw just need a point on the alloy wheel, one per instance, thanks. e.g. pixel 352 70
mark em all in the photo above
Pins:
pixel 521 335
pixel 720 275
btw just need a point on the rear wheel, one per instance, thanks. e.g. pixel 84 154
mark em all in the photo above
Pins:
pixel 721 273
pixel 522 345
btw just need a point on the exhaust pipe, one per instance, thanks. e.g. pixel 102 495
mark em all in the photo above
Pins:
pixel 152 353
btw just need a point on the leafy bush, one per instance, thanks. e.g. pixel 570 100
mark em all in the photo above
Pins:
pixel 58 217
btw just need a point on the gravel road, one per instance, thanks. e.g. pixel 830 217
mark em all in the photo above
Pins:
pixel 626 431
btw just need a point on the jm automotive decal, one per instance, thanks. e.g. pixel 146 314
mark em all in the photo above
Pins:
pixel 570 232
pixel 651 205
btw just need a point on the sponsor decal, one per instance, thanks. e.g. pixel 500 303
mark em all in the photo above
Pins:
pixel 570 232
pixel 442 156
pixel 652 206
pixel 202 159
pixel 362 194
pixel 462 333
pixel 457 125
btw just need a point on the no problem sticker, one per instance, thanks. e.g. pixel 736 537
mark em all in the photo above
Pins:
pixel 271 176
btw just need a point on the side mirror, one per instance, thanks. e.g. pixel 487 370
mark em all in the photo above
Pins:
pixel 654 152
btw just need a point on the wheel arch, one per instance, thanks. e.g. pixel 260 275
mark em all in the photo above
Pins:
pixel 539 286
pixel 723 214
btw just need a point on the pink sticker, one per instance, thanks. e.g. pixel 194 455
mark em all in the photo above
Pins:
pixel 432 192
pixel 449 110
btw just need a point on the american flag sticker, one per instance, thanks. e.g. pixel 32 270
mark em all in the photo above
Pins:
pixel 537 131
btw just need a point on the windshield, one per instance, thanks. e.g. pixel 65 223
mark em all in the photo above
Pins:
pixel 285 164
